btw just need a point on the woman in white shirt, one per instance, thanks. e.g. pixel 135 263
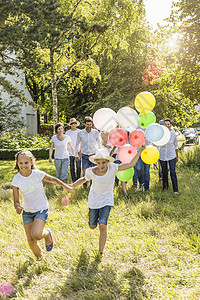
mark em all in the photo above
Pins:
pixel 60 142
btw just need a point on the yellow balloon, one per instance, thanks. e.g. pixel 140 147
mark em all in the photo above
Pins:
pixel 145 102
pixel 150 155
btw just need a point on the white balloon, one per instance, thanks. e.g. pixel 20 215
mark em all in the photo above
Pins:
pixel 127 118
pixel 165 139
pixel 105 119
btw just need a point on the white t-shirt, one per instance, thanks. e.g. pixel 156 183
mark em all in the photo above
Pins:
pixel 31 187
pixel 73 135
pixel 101 191
pixel 61 147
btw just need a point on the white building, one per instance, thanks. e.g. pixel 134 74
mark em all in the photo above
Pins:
pixel 27 113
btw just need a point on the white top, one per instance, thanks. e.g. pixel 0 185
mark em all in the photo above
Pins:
pixel 31 187
pixel 88 142
pixel 101 191
pixel 167 151
pixel 61 147
pixel 73 135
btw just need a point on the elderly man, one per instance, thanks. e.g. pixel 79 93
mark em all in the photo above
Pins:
pixel 88 141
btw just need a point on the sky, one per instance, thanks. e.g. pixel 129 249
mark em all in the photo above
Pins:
pixel 157 10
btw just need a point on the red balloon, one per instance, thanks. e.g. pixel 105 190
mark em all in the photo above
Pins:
pixel 126 153
pixel 137 138
pixel 118 137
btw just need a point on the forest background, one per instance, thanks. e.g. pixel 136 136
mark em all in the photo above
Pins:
pixel 79 56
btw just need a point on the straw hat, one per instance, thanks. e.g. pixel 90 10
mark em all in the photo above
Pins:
pixel 101 154
pixel 73 120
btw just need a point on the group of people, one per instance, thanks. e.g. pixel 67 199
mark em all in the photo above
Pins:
pixel 99 166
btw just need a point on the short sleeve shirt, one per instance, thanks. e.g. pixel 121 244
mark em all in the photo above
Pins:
pixel 31 188
pixel 101 191
pixel 61 151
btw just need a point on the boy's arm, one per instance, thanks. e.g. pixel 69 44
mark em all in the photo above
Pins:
pixel 133 162
pixel 79 182
pixel 16 199
pixel 57 181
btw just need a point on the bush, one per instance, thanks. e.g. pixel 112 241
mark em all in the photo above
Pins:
pixel 19 139
pixel 191 158
pixel 9 154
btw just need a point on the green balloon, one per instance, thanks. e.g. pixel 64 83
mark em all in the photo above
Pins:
pixel 125 175
pixel 145 119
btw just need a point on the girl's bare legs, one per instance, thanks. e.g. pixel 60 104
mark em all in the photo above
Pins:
pixel 102 237
pixel 35 231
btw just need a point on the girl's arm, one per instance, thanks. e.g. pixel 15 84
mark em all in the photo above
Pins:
pixel 16 199
pixel 57 181
pixel 133 161
pixel 71 147
pixel 79 182
pixel 51 151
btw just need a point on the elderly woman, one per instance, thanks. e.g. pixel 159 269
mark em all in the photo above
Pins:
pixel 60 142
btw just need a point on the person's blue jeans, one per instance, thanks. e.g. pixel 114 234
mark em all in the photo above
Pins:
pixel 61 168
pixel 86 163
pixel 75 171
pixel 172 167
pixel 135 178
pixel 143 173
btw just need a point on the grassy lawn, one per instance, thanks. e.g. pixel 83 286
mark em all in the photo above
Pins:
pixel 152 251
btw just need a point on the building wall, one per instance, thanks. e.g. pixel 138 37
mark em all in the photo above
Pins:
pixel 27 113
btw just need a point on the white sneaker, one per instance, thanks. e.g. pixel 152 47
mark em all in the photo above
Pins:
pixel 140 188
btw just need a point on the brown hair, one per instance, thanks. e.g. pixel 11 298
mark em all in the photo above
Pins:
pixel 27 153
pixel 58 125
pixel 168 120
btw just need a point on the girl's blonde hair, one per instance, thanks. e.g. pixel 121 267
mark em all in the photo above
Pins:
pixel 27 153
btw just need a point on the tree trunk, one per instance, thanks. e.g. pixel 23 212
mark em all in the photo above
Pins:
pixel 54 89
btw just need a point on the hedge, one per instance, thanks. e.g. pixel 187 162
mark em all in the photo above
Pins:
pixel 39 153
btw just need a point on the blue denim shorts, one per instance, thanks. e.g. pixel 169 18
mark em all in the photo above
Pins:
pixel 99 215
pixel 29 217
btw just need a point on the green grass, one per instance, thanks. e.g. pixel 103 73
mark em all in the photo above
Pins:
pixel 152 251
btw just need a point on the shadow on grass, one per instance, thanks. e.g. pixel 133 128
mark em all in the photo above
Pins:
pixel 92 281
pixel 26 273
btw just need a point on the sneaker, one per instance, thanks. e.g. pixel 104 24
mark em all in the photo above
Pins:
pixel 126 195
pixel 177 193
pixel 140 188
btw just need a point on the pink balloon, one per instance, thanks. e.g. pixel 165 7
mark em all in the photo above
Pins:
pixel 118 137
pixel 6 288
pixel 126 153
pixel 65 201
pixel 137 138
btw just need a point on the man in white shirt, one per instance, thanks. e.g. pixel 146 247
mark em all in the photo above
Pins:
pixel 169 155
pixel 88 139
pixel 72 133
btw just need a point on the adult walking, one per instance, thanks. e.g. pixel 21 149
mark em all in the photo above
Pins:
pixel 169 156
pixel 75 166
pixel 88 141
pixel 60 142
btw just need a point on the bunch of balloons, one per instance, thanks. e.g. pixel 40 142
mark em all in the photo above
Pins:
pixel 127 120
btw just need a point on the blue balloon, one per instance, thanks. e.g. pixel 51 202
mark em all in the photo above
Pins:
pixel 154 132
